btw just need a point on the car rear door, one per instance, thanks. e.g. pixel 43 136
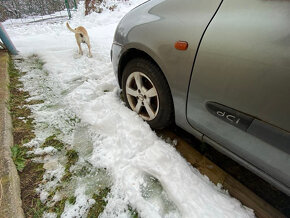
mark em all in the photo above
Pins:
pixel 239 94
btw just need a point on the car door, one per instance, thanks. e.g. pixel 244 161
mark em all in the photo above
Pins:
pixel 239 93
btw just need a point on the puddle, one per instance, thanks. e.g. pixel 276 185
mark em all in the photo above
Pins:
pixel 82 142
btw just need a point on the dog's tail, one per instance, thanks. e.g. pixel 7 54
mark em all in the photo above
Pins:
pixel 68 26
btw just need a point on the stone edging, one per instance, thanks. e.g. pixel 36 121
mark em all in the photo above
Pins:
pixel 10 201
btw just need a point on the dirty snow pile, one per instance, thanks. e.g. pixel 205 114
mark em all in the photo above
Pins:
pixel 82 106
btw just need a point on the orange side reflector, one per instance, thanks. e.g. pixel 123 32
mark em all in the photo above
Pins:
pixel 181 45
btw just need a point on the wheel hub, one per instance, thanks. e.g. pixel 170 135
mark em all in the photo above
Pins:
pixel 141 97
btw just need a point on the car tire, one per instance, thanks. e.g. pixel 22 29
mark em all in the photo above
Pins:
pixel 146 92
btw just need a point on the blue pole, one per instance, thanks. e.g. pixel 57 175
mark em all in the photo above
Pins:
pixel 6 40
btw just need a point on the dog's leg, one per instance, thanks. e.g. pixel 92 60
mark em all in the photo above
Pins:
pixel 80 48
pixel 79 41
pixel 89 47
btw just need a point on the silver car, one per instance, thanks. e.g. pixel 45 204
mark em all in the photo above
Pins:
pixel 218 69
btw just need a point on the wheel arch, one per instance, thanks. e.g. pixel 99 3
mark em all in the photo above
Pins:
pixel 130 54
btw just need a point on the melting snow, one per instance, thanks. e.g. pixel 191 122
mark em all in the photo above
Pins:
pixel 81 105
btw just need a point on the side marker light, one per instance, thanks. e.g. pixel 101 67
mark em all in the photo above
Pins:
pixel 181 45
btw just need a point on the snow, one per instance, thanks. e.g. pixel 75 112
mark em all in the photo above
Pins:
pixel 81 104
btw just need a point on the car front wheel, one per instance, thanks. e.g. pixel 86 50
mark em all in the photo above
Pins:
pixel 147 93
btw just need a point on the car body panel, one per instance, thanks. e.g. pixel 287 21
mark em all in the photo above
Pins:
pixel 167 22
pixel 243 63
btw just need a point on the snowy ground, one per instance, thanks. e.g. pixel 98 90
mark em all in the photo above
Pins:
pixel 81 105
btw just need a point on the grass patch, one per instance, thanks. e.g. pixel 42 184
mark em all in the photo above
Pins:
pixel 37 62
pixel 38 210
pixel 53 142
pixel 30 173
pixel 72 200
pixel 32 102
pixel 22 128
pixel 19 156
pixel 58 208
pixel 100 204
pixel 72 158
pixel 30 178
pixel 134 213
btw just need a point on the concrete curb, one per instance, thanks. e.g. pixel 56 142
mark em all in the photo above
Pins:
pixel 10 201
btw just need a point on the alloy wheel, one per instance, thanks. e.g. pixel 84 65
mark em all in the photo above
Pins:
pixel 142 95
